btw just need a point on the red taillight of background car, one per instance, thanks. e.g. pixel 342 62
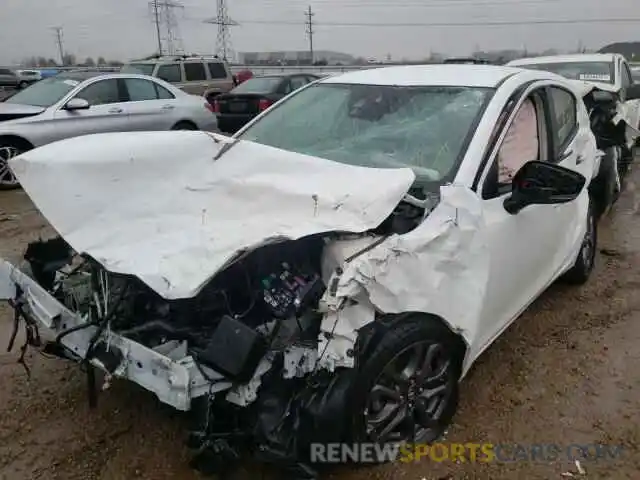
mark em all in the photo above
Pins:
pixel 210 107
pixel 264 103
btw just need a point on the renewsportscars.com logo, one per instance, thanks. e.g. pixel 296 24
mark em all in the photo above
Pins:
pixel 461 452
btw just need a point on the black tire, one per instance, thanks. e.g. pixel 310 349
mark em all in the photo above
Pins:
pixel 604 189
pixel 10 148
pixel 184 126
pixel 582 268
pixel 399 338
pixel 22 85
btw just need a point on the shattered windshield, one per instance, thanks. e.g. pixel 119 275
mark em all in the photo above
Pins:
pixel 424 128
pixel 587 71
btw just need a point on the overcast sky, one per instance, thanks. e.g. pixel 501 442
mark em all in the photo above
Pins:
pixel 123 29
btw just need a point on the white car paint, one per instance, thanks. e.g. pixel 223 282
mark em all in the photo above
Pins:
pixel 179 223
pixel 622 77
pixel 54 123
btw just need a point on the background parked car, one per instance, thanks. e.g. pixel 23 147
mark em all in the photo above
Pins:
pixel 27 77
pixel 236 108
pixel 198 75
pixel 81 103
pixel 9 78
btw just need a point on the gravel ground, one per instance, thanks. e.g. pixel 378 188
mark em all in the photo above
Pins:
pixel 564 373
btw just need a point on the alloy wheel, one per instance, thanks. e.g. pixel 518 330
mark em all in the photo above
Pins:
pixel 588 244
pixel 7 177
pixel 411 395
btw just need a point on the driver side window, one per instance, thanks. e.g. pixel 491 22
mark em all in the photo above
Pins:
pixel 521 143
pixel 524 140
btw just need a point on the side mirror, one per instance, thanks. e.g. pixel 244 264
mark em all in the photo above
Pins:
pixel 633 92
pixel 542 183
pixel 77 104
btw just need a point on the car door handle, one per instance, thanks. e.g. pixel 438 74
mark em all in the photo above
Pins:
pixel 115 110
pixel 579 159
pixel 168 107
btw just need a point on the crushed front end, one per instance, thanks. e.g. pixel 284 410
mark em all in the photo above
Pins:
pixel 260 356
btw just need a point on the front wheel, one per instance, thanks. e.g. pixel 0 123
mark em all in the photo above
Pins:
pixel 8 180
pixel 22 85
pixel 582 268
pixel 407 388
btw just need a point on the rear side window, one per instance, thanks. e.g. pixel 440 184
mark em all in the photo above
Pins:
pixel 170 73
pixel 194 72
pixel 217 70
pixel 140 90
pixel 163 93
pixel 563 116
pixel 4 71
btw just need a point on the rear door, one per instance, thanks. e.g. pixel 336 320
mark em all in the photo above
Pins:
pixel 195 78
pixel 220 79
pixel 170 72
pixel 150 106
pixel 107 111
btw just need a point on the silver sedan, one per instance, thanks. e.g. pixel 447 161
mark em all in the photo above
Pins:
pixel 81 103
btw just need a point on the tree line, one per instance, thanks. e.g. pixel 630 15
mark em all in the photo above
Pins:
pixel 69 60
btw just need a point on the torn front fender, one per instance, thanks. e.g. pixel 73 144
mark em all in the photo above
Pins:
pixel 441 267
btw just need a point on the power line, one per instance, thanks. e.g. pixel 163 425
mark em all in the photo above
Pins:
pixel 409 4
pixel 224 47
pixel 451 24
pixel 58 32
pixel 309 28
pixel 156 20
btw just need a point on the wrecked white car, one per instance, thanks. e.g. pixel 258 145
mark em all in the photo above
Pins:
pixel 328 274
pixel 612 99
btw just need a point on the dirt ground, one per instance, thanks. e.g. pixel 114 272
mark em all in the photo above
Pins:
pixel 565 373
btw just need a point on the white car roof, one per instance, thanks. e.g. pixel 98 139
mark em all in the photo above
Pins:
pixel 578 57
pixel 428 75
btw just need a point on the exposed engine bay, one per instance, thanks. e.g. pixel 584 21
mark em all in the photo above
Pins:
pixel 256 325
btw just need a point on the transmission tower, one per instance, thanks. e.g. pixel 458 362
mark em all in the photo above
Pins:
pixel 58 33
pixel 309 24
pixel 222 20
pixel 165 19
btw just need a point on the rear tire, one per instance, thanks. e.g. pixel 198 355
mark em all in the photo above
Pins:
pixel 8 150
pixel 22 85
pixel 582 268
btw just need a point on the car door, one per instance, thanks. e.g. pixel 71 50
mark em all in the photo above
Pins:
pixel 150 106
pixel 8 78
pixel 528 249
pixel 632 106
pixel 195 78
pixel 107 111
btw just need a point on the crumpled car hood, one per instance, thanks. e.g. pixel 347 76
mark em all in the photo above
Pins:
pixel 158 206
pixel 625 113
